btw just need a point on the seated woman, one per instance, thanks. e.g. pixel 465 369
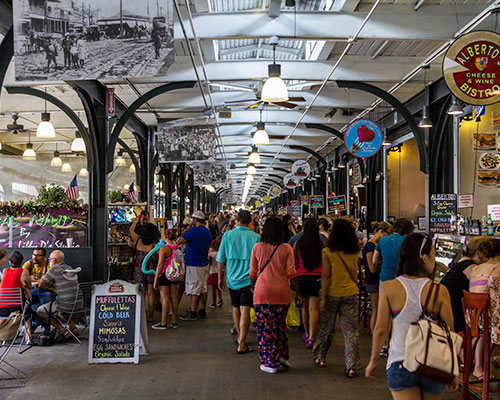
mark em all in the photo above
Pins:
pixel 485 278
pixel 15 277
pixel 457 278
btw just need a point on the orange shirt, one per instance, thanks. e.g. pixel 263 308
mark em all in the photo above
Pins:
pixel 273 285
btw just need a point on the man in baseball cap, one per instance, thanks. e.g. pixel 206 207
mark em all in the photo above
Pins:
pixel 197 239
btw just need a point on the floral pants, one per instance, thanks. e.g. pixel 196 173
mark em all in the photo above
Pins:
pixel 347 308
pixel 272 334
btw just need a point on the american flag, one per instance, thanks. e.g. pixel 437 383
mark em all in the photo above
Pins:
pixel 72 192
pixel 130 193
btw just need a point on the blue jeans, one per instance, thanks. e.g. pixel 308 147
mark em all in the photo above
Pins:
pixel 39 297
pixel 399 378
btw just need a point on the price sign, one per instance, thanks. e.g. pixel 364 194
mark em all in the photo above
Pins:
pixel 336 203
pixel 316 201
pixel 295 208
pixel 442 207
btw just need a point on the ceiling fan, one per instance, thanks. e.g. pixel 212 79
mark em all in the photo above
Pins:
pixel 257 102
pixel 14 127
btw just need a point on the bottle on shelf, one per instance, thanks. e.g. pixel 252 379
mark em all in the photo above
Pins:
pixel 491 227
pixel 484 226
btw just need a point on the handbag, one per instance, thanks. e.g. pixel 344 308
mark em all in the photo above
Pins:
pixel 9 328
pixel 431 348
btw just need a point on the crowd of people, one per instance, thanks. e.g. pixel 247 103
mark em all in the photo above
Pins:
pixel 267 262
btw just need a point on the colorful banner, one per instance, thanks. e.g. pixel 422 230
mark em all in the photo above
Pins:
pixel 57 227
pixel 92 39
pixel 470 67
pixel 363 138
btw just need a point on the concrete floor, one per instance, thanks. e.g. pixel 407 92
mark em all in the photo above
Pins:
pixel 196 361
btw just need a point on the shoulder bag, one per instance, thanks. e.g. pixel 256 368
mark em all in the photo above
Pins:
pixel 265 265
pixel 347 269
pixel 431 348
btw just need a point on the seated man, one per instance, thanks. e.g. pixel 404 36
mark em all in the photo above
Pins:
pixel 37 267
pixel 65 281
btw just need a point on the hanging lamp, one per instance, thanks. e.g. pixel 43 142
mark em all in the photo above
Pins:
pixel 131 168
pixel 78 145
pixel 84 172
pixel 29 154
pixel 56 160
pixel 426 121
pixel 254 157
pixel 251 170
pixel 66 167
pixel 45 128
pixel 120 161
pixel 260 137
pixel 274 90
pixel 455 108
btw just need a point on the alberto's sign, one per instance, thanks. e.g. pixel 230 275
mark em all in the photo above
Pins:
pixel 471 68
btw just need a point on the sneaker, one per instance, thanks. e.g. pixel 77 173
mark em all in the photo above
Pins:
pixel 220 303
pixel 269 370
pixel 285 363
pixel 159 327
pixel 213 305
pixel 191 316
pixel 202 313
pixel 384 352
pixel 174 325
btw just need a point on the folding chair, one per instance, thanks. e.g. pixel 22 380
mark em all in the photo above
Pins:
pixel 12 298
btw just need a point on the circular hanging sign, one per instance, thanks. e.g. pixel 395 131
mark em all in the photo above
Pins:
pixel 266 199
pixel 471 68
pixel 258 203
pixel 363 138
pixel 301 169
pixel 274 191
pixel 290 181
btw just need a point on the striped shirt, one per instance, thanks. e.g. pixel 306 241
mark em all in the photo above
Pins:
pixel 66 289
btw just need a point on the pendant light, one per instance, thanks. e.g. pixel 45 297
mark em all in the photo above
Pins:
pixel 260 136
pixel 249 178
pixel 84 172
pixel 56 160
pixel 120 161
pixel 426 121
pixel 274 89
pixel 78 145
pixel 29 154
pixel 45 128
pixel 254 157
pixel 455 108
pixel 66 167
pixel 251 170
pixel 131 168
pixel 341 164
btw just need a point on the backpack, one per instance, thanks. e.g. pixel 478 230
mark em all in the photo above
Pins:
pixel 175 270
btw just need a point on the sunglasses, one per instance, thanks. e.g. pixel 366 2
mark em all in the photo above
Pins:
pixel 426 238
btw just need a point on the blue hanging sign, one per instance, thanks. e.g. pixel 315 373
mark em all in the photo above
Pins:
pixel 363 138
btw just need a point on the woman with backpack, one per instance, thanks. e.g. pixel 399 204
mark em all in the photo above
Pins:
pixel 402 299
pixel 167 288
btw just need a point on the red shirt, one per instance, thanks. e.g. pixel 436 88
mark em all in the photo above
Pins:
pixel 11 279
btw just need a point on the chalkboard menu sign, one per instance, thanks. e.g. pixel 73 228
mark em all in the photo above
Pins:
pixel 442 207
pixel 316 201
pixel 296 208
pixel 117 327
pixel 336 203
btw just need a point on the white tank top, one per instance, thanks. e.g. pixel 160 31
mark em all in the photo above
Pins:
pixel 410 313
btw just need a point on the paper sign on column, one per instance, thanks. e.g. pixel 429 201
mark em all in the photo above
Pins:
pixel 465 200
pixel 494 211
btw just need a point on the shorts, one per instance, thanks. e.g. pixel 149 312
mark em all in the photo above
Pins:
pixel 372 288
pixel 241 297
pixel 196 280
pixel 163 281
pixel 44 309
pixel 213 279
pixel 139 276
pixel 6 311
pixel 309 285
pixel 399 378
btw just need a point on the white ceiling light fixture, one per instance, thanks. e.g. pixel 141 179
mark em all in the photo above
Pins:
pixel 66 167
pixel 84 172
pixel 131 168
pixel 254 157
pixel 56 160
pixel 45 128
pixel 126 187
pixel 274 89
pixel 120 161
pixel 29 154
pixel 251 170
pixel 426 121
pixel 260 136
pixel 78 145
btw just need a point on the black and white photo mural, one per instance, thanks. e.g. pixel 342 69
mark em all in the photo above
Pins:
pixel 180 142
pixel 92 39
pixel 207 173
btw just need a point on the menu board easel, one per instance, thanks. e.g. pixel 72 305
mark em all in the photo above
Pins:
pixel 442 207
pixel 336 203
pixel 118 332
pixel 316 201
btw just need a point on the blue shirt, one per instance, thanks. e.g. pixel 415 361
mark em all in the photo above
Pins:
pixel 388 246
pixel 370 277
pixel 235 251
pixel 198 241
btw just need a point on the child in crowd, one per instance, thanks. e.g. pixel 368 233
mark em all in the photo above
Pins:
pixel 213 277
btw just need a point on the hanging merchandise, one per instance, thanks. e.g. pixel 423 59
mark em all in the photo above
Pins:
pixel 363 138
pixel 301 169
pixel 290 181
pixel 470 68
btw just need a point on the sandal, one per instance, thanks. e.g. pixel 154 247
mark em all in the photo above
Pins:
pixel 319 363
pixel 350 373
pixel 309 344
pixel 247 350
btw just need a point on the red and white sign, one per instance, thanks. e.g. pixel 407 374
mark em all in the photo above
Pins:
pixel 111 102
pixel 465 200
pixel 494 211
